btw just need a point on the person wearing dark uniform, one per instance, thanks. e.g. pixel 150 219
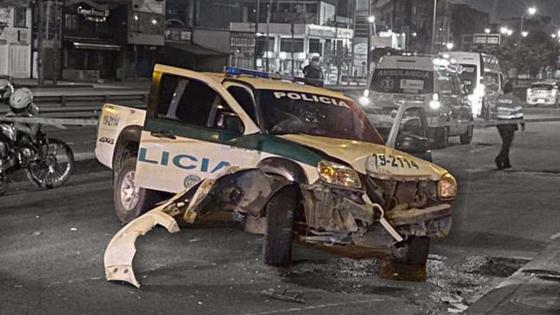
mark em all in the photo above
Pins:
pixel 508 108
pixel 313 72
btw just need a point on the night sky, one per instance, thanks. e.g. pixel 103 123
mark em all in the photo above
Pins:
pixel 514 8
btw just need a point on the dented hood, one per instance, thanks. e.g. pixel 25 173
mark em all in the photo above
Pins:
pixel 359 154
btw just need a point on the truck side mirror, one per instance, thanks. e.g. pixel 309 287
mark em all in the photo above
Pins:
pixel 412 144
pixel 231 122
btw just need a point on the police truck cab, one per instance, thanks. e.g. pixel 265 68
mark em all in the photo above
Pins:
pixel 334 181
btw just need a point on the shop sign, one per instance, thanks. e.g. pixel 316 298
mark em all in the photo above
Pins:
pixel 92 14
pixel 148 6
pixel 321 31
pixel 242 40
pixel 344 33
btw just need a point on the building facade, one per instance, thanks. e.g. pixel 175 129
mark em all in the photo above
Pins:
pixel 410 23
pixel 15 40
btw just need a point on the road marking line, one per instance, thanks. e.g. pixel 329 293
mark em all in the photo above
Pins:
pixel 315 307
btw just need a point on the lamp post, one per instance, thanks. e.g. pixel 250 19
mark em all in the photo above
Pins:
pixel 434 27
pixel 531 11
pixel 371 20
pixel 255 57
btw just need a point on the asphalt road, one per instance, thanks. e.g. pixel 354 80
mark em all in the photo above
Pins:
pixel 52 244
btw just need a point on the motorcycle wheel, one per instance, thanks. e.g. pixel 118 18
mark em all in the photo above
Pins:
pixel 54 167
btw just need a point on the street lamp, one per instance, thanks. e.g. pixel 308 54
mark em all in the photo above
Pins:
pixel 371 19
pixel 434 26
pixel 524 33
pixel 487 30
pixel 449 46
pixel 503 30
pixel 553 35
pixel 531 11
pixel 509 32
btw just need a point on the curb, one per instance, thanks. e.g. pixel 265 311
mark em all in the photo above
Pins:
pixel 533 289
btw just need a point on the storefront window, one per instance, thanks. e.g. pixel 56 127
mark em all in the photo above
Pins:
pixel 315 46
pixel 291 45
pixel 264 45
pixel 20 17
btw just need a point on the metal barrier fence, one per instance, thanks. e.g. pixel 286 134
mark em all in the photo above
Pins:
pixel 61 122
pixel 82 106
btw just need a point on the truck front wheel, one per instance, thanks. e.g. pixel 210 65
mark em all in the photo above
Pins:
pixel 277 244
pixel 466 138
pixel 441 137
pixel 130 200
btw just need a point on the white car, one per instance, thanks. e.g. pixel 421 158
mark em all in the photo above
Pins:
pixel 543 93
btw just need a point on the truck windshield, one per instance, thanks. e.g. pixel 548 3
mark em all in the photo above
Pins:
pixel 286 112
pixel 405 81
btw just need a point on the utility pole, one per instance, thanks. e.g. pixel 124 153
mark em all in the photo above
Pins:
pixel 268 30
pixel 40 48
pixel 434 27
pixel 255 56
pixel 368 66
pixel 292 46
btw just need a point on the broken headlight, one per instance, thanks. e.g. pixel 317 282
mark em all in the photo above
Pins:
pixel 339 175
pixel 447 187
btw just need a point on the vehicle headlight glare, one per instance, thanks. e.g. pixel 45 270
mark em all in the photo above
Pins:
pixel 364 101
pixel 435 105
pixel 447 187
pixel 339 175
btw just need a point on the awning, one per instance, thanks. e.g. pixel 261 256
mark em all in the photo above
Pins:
pixel 194 49
pixel 95 46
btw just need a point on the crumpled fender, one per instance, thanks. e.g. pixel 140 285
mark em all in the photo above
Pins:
pixel 243 189
pixel 120 251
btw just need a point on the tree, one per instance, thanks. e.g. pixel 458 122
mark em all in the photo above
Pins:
pixel 527 55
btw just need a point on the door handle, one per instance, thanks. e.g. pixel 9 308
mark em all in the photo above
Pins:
pixel 163 134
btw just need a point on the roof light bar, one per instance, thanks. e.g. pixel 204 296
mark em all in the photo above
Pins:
pixel 233 71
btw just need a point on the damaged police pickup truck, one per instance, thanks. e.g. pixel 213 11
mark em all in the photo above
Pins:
pixel 290 161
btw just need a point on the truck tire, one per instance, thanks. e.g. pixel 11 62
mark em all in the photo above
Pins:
pixel 441 138
pixel 413 251
pixel 485 112
pixel 466 138
pixel 131 201
pixel 278 237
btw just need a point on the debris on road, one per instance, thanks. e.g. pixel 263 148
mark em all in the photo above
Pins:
pixel 284 296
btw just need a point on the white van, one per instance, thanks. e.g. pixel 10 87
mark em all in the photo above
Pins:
pixel 427 79
pixel 483 77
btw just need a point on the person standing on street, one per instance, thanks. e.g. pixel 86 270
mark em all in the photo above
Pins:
pixel 508 108
pixel 313 71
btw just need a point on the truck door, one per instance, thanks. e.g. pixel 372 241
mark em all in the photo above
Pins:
pixel 193 128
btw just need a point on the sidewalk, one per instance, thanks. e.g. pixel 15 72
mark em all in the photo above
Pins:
pixel 534 289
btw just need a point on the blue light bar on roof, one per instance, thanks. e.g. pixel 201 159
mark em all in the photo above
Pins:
pixel 232 71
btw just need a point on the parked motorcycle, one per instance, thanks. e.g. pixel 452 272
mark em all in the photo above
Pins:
pixel 47 162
